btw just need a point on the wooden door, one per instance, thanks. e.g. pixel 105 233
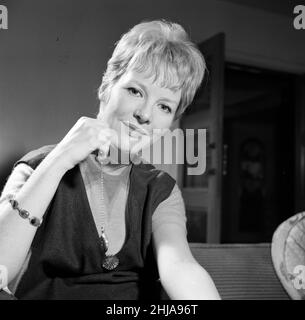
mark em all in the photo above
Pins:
pixel 202 193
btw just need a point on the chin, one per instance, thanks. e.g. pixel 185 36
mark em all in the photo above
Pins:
pixel 132 146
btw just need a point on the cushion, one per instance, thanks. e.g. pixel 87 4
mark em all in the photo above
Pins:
pixel 288 255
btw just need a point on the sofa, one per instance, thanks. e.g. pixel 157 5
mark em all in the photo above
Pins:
pixel 262 271
pixel 240 271
pixel 259 271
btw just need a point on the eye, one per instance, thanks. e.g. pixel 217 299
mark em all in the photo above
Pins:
pixel 166 108
pixel 134 92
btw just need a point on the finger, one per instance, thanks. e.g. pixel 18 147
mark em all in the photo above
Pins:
pixel 105 134
pixel 103 151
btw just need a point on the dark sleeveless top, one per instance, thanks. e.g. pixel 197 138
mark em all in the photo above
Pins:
pixel 66 259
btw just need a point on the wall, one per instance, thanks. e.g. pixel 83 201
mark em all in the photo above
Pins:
pixel 53 55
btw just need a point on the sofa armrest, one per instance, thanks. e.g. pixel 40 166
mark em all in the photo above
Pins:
pixel 240 271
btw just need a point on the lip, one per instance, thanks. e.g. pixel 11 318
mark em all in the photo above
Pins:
pixel 135 128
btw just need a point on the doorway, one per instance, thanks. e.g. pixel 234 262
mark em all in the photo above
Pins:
pixel 258 153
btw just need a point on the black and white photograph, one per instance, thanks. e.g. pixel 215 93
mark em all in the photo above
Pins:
pixel 152 151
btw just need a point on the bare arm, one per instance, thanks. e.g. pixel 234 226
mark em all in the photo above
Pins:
pixel 16 234
pixel 181 275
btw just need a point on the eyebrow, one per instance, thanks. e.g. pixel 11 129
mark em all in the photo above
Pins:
pixel 143 87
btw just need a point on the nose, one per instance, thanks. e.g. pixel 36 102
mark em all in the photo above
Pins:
pixel 142 118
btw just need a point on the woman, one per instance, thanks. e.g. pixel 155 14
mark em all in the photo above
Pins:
pixel 74 223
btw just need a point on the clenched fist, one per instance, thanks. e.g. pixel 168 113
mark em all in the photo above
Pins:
pixel 87 135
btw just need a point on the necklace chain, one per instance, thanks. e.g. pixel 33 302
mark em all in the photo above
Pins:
pixel 103 234
pixel 110 261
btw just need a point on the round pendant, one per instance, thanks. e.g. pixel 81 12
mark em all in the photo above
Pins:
pixel 110 262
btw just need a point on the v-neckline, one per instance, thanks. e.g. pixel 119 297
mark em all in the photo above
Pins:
pixel 91 222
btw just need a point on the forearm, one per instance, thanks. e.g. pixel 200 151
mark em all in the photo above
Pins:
pixel 188 281
pixel 16 234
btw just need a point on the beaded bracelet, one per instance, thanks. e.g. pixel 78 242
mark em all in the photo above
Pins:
pixel 34 221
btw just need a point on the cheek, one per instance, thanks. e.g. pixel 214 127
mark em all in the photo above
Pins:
pixel 161 121
pixel 122 106
pixel 161 125
pixel 116 110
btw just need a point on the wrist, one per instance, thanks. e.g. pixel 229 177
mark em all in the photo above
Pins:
pixel 56 162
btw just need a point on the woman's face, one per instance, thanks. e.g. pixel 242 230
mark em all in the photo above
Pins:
pixel 135 92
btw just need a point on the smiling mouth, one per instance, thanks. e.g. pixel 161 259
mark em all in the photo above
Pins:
pixel 134 134
pixel 135 129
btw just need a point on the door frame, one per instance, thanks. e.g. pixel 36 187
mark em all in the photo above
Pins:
pixel 212 194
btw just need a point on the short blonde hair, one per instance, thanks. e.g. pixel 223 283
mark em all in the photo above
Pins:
pixel 163 50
